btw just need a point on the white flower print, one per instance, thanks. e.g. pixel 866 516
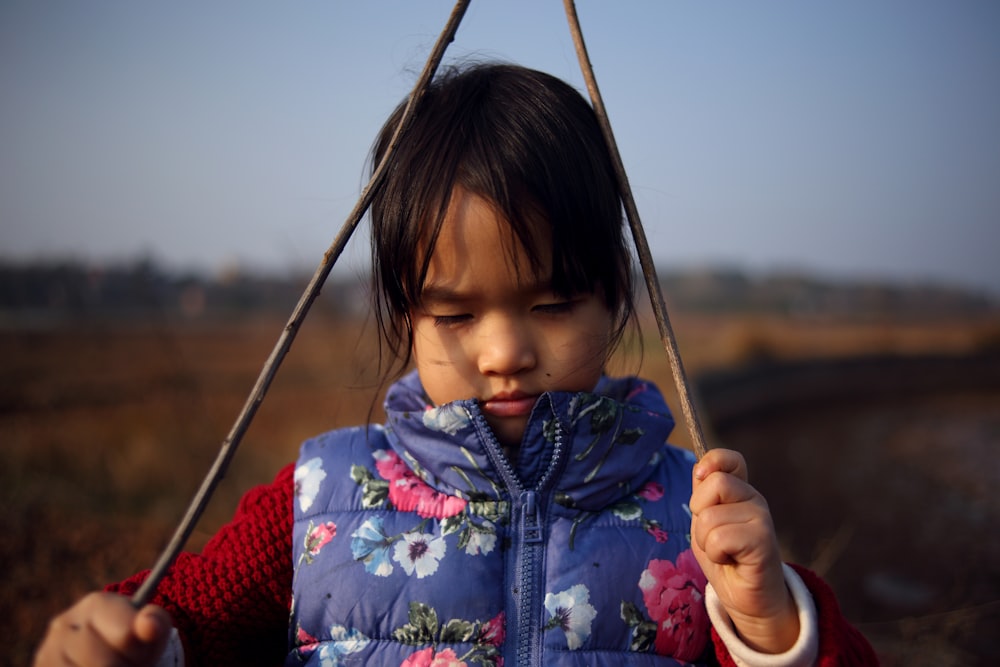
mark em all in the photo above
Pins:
pixel 448 418
pixel 343 642
pixel 308 477
pixel 572 612
pixel 420 553
pixel 481 541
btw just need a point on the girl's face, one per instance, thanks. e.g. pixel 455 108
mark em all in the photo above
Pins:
pixel 483 331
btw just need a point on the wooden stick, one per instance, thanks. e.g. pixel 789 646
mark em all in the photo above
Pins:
pixel 230 444
pixel 639 236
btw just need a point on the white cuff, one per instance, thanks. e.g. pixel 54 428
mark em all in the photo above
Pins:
pixel 173 655
pixel 802 654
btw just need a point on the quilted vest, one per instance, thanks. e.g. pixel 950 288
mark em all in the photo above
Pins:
pixel 419 543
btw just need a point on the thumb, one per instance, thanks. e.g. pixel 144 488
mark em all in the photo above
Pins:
pixel 151 627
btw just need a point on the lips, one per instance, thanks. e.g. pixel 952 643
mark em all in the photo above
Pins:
pixel 514 404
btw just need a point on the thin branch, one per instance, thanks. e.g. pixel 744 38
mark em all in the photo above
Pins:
pixel 231 443
pixel 639 236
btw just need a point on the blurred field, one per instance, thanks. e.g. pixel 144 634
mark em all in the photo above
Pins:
pixel 106 431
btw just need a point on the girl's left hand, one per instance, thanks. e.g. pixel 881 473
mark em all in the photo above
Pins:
pixel 733 538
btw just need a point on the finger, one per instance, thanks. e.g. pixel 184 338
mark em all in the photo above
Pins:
pixel 747 512
pixel 112 617
pixel 152 629
pixel 110 626
pixel 720 460
pixel 57 647
pixel 731 533
pixel 138 636
pixel 73 642
pixel 721 488
pixel 152 624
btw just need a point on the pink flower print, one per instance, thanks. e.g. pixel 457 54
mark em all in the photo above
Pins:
pixel 658 533
pixel 428 658
pixel 305 641
pixel 316 538
pixel 652 491
pixel 427 502
pixel 639 388
pixel 409 493
pixel 304 638
pixel 675 598
pixel 319 536
pixel 390 466
pixel 492 631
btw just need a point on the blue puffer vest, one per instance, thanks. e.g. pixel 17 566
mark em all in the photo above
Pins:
pixel 420 543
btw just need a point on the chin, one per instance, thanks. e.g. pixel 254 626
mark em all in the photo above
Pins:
pixel 509 435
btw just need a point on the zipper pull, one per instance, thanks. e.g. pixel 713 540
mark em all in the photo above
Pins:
pixel 531 518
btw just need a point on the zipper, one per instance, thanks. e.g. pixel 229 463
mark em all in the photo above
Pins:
pixel 528 591
pixel 531 518
pixel 527 510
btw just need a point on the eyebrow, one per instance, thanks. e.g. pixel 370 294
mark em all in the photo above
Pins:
pixel 442 294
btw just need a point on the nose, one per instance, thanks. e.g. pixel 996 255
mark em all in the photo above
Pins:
pixel 507 347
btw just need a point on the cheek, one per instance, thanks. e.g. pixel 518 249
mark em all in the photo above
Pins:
pixel 438 362
pixel 436 347
pixel 598 343
pixel 583 356
pixel 427 342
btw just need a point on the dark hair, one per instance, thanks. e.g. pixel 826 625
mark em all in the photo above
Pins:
pixel 528 143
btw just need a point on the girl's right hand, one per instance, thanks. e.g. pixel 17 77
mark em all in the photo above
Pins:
pixel 105 629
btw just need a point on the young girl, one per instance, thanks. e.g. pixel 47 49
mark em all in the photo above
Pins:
pixel 518 507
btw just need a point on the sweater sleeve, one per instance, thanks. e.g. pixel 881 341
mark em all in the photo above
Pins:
pixel 230 603
pixel 840 643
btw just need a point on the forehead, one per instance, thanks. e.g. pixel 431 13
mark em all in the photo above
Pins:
pixel 477 245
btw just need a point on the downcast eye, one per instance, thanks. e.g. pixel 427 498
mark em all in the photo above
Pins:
pixel 556 308
pixel 450 320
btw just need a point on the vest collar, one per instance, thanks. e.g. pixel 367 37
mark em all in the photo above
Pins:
pixel 589 448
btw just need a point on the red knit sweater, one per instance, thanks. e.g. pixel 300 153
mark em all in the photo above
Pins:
pixel 231 602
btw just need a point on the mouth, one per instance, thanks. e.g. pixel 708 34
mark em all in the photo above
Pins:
pixel 512 404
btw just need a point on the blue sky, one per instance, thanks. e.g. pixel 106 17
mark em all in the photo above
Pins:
pixel 855 139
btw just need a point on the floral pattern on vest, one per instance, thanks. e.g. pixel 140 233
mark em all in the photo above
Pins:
pixel 409 546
